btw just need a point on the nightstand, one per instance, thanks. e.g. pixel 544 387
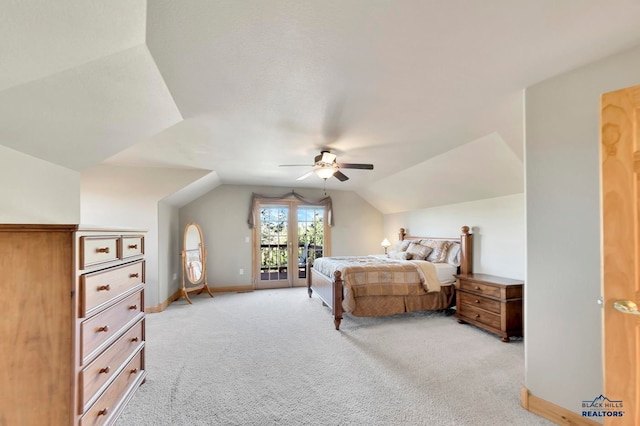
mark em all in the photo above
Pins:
pixel 490 302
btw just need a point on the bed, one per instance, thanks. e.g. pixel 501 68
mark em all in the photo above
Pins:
pixel 417 274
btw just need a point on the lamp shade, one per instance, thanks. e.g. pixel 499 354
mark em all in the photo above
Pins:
pixel 385 243
pixel 325 172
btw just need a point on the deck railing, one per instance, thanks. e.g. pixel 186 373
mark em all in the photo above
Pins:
pixel 273 258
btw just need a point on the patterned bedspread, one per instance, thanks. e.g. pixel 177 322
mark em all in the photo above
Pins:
pixel 379 276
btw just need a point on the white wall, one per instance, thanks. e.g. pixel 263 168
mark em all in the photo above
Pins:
pixel 563 323
pixel 123 196
pixel 497 224
pixel 222 214
pixel 169 244
pixel 36 191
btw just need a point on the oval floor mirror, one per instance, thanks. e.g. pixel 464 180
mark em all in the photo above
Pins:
pixel 194 262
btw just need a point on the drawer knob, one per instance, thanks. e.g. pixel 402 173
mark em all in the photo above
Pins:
pixel 104 287
pixel 477 288
pixel 134 371
pixel 105 369
pixel 132 246
pixel 477 301
pixel 134 339
pixel 133 307
pixel 104 328
pixel 103 412
pixel 102 250
pixel 477 315
pixel 136 275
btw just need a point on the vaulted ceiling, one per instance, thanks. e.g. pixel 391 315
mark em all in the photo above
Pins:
pixel 423 89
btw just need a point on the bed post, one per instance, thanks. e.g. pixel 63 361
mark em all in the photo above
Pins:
pixel 337 299
pixel 466 245
pixel 309 265
pixel 402 234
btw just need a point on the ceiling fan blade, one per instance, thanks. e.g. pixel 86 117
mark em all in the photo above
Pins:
pixel 340 176
pixel 355 166
pixel 295 165
pixel 306 175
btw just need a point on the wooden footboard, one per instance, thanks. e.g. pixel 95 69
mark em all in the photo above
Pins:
pixel 329 291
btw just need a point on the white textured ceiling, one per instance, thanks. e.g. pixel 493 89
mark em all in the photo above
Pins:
pixel 238 87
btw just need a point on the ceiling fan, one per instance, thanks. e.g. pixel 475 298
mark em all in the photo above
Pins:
pixel 325 166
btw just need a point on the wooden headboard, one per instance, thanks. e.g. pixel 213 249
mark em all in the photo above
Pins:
pixel 466 246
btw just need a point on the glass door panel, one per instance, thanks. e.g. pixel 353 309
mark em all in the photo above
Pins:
pixel 274 247
pixel 310 230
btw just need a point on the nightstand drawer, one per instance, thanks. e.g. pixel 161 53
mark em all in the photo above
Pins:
pixel 480 302
pixel 479 315
pixel 480 288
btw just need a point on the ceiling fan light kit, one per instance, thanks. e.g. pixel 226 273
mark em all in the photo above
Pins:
pixel 325 166
pixel 325 171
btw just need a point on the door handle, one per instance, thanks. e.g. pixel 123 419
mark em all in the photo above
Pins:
pixel 626 307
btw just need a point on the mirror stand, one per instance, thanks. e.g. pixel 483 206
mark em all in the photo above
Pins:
pixel 194 263
pixel 184 291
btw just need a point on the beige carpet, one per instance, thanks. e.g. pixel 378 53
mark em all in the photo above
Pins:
pixel 273 357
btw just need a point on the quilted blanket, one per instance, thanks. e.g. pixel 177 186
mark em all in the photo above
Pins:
pixel 379 276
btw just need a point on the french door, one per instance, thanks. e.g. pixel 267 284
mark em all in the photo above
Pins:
pixel 288 234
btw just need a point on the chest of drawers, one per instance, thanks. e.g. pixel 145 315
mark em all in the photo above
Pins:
pixel 109 322
pixel 72 335
pixel 490 302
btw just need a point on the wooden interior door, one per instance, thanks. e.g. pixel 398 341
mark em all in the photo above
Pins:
pixel 620 168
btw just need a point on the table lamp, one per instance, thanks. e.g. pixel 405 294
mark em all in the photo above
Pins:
pixel 385 243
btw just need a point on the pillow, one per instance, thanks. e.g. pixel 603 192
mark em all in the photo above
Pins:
pixel 418 251
pixel 439 250
pixel 398 247
pixel 402 255
pixel 453 255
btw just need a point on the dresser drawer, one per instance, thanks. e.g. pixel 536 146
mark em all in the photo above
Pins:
pixel 480 288
pixel 100 287
pixel 99 249
pixel 479 315
pixel 132 246
pixel 480 302
pixel 100 371
pixel 108 404
pixel 108 324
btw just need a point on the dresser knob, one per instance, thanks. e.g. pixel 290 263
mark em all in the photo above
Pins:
pixel 477 301
pixel 104 328
pixel 477 315
pixel 136 275
pixel 133 307
pixel 105 369
pixel 102 250
pixel 134 371
pixel 104 287
pixel 477 288
pixel 134 339
pixel 103 412
pixel 133 246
